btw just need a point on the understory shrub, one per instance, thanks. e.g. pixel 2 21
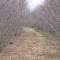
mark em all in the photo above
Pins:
pixel 36 26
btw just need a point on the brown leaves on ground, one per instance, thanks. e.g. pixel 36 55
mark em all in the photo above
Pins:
pixel 31 45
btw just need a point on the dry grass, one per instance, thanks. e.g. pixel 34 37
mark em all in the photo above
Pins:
pixel 31 45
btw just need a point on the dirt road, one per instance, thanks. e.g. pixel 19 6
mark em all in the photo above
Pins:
pixel 32 45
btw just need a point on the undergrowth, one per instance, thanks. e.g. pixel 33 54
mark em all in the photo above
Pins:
pixel 4 41
pixel 49 35
pixel 35 26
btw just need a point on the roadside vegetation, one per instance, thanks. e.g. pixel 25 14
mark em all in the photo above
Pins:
pixel 47 34
pixel 29 35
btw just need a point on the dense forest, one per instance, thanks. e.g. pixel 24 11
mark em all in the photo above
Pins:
pixel 14 15
pixel 29 29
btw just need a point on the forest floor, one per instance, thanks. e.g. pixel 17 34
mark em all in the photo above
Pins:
pixel 32 45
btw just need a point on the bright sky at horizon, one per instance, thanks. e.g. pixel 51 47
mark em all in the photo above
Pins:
pixel 33 4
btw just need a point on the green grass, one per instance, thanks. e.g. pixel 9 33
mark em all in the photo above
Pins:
pixel 1 44
pixel 35 26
